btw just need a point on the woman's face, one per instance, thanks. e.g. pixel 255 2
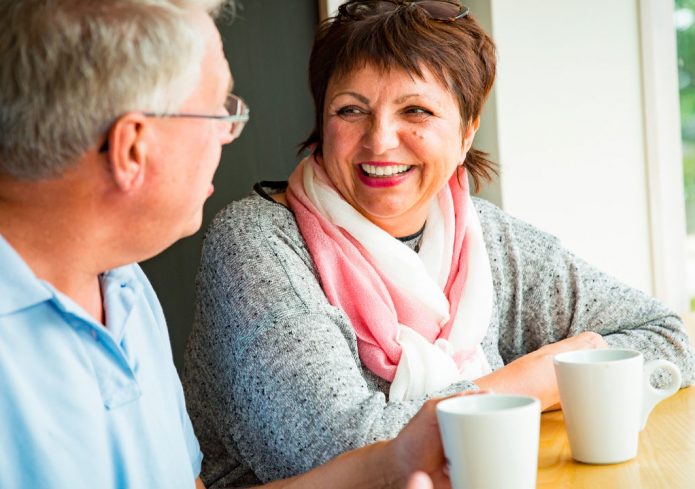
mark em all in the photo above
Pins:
pixel 391 141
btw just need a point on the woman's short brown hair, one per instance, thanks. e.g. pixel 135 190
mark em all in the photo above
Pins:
pixel 459 54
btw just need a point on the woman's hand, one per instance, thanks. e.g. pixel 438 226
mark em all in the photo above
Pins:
pixel 534 374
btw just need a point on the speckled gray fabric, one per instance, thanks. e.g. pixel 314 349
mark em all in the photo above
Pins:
pixel 273 381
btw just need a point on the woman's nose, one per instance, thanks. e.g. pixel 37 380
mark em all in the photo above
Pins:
pixel 381 135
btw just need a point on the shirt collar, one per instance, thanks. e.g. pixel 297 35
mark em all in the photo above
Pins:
pixel 19 286
pixel 121 289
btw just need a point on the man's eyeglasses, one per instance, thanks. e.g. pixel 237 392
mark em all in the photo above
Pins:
pixel 237 115
pixel 439 10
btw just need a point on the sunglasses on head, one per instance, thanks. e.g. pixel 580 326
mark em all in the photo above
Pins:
pixel 439 10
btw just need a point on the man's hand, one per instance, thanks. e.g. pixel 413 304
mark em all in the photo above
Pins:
pixel 418 448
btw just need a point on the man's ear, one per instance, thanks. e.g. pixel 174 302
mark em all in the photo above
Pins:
pixel 128 150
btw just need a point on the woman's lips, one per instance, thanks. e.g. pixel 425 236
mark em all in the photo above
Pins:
pixel 382 173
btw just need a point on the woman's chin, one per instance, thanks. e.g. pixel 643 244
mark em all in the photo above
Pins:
pixel 397 222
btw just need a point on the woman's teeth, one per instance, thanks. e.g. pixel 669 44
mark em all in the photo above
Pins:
pixel 384 171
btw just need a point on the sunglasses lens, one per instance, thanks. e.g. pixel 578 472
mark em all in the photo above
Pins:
pixel 440 10
pixel 437 9
pixel 365 9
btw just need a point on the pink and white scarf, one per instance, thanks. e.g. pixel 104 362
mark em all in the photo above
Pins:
pixel 419 317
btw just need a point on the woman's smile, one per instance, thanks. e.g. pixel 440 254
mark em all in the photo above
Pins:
pixel 382 173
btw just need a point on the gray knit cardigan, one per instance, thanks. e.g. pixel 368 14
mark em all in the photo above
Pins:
pixel 274 384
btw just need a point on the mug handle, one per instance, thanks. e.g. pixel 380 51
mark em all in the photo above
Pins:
pixel 652 395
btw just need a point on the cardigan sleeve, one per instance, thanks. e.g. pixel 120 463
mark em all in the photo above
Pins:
pixel 546 294
pixel 284 385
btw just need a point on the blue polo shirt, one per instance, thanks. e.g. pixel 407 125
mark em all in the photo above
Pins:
pixel 84 406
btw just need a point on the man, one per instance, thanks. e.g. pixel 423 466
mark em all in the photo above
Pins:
pixel 112 119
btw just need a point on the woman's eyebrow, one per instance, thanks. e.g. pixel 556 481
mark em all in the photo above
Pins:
pixel 405 97
pixel 358 96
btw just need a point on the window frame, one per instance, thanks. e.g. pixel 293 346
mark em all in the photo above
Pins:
pixel 663 149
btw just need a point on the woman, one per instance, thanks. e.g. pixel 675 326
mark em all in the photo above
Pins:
pixel 331 308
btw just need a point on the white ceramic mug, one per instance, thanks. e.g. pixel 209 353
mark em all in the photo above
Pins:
pixel 490 440
pixel 606 398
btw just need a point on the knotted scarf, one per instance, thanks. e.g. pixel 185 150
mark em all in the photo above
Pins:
pixel 419 317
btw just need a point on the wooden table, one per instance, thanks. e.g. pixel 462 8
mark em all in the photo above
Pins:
pixel 665 459
pixel 666 456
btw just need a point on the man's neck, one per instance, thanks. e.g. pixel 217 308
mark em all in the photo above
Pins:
pixel 55 239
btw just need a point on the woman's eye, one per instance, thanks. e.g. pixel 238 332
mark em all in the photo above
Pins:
pixel 418 112
pixel 350 112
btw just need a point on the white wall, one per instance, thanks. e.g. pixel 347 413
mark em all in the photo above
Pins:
pixel 569 129
pixel 328 8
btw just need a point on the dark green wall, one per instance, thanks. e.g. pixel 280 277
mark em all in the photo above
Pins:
pixel 268 47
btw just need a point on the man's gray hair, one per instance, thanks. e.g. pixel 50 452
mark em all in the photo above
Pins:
pixel 70 68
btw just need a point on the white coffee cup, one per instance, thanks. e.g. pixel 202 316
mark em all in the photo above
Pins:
pixel 490 440
pixel 606 397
